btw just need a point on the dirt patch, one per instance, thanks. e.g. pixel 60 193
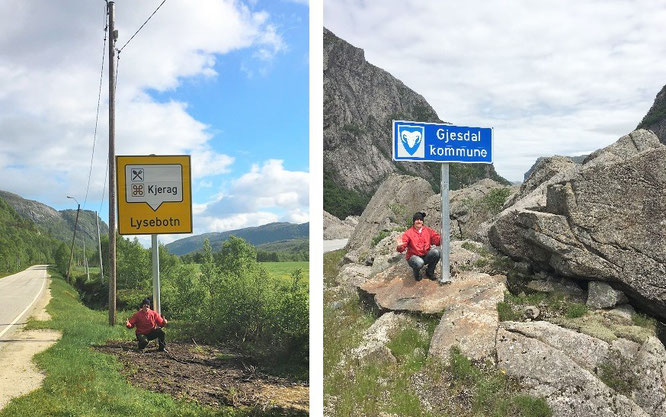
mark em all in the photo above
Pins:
pixel 208 376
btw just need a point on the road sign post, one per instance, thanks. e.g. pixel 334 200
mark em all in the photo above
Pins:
pixel 154 197
pixel 442 143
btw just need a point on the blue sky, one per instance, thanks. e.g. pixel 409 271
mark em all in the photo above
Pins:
pixel 225 81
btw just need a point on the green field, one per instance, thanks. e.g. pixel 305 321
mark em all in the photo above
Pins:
pixel 284 269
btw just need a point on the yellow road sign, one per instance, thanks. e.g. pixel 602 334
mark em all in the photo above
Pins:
pixel 154 194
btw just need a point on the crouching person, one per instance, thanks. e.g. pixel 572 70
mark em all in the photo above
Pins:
pixel 420 242
pixel 148 325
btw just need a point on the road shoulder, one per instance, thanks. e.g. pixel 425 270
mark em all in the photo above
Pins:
pixel 18 374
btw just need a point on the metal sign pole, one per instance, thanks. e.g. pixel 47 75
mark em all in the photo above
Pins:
pixel 156 276
pixel 446 225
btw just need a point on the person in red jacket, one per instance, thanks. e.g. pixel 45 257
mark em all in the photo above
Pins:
pixel 420 242
pixel 148 325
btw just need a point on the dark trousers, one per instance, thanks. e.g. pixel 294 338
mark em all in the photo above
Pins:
pixel 430 259
pixel 154 334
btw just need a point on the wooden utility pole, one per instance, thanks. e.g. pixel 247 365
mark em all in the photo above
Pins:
pixel 112 163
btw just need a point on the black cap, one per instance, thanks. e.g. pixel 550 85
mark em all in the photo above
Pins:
pixel 418 215
pixel 145 301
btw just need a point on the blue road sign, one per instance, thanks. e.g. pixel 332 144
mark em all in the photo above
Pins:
pixel 435 142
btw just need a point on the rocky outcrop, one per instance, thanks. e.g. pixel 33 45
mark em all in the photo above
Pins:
pixel 603 221
pixel 655 119
pixel 569 370
pixel 537 165
pixel 391 207
pixel 360 103
pixel 335 228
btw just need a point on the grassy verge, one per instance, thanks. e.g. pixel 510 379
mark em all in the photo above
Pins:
pixel 80 382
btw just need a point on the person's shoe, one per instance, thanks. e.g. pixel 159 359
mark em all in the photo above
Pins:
pixel 161 349
pixel 430 273
pixel 417 275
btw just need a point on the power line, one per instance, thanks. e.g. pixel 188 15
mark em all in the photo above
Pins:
pixel 141 27
pixel 99 97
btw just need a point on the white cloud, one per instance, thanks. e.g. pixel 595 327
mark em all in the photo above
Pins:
pixel 49 79
pixel 267 193
pixel 550 77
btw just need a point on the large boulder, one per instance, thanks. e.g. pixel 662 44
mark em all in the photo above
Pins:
pixel 396 290
pixel 569 369
pixel 335 228
pixel 470 322
pixel 391 207
pixel 602 222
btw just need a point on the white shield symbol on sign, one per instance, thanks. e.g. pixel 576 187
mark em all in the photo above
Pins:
pixel 411 141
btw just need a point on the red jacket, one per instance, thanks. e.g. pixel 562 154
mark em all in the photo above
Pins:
pixel 145 322
pixel 418 243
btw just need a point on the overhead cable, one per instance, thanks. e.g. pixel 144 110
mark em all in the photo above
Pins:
pixel 141 27
pixel 99 97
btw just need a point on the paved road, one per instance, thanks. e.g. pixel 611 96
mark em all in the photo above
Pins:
pixel 18 294
pixel 334 244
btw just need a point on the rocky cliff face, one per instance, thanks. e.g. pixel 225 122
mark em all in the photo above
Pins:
pixel 655 119
pixel 360 103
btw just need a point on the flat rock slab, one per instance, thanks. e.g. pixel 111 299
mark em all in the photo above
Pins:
pixel 396 290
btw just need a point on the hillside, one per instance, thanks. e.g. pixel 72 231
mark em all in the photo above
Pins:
pixel 58 224
pixel 360 102
pixel 22 242
pixel 268 233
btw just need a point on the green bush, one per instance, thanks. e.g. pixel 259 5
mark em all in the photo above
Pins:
pixel 234 301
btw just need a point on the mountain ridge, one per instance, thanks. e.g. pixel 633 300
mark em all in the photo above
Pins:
pixel 256 235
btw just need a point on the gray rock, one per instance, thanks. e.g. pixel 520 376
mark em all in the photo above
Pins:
pixel 623 312
pixel 602 295
pixel 396 290
pixel 373 347
pixel 649 368
pixel 335 228
pixel 591 228
pixel 543 170
pixel 470 324
pixel 531 312
pixel 353 275
pixel 551 362
pixel 391 207
pixel 384 254
pixel 467 210
pixel 559 285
